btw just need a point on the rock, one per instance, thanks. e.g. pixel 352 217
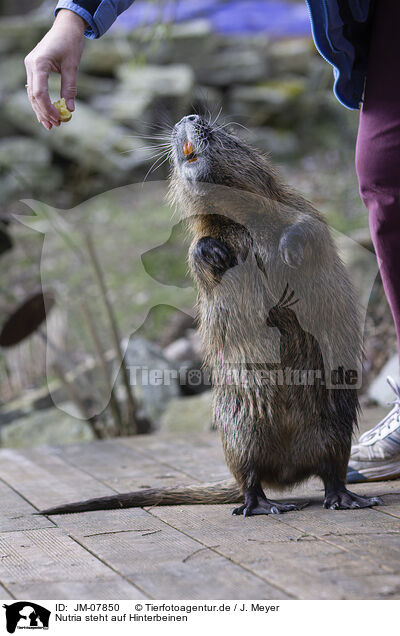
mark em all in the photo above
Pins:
pixel 185 350
pixel 179 351
pixel 145 91
pixel 275 99
pixel 176 327
pixel 89 87
pixel 208 100
pixel 187 42
pixel 186 355
pixel 104 59
pixel 15 151
pixel 185 414
pixel 291 56
pixel 153 378
pixel 163 81
pixel 30 401
pixel 190 39
pixel 12 75
pixel 52 426
pixel 280 143
pixel 124 107
pixel 90 139
pixel 24 162
pixel 232 66
pixel 379 390
pixel 215 60
pixel 23 32
pixel 8 415
pixel 10 7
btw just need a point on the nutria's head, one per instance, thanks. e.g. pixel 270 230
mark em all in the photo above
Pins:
pixel 204 152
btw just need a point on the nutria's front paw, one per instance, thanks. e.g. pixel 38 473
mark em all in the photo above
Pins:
pixel 210 253
pixel 291 246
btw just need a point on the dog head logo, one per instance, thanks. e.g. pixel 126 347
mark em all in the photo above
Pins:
pixel 26 615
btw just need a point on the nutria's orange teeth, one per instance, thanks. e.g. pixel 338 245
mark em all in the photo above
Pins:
pixel 187 148
pixel 191 160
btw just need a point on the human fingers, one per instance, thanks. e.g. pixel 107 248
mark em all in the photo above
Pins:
pixel 40 93
pixel 68 84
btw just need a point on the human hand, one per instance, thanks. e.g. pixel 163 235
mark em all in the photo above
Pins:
pixel 59 51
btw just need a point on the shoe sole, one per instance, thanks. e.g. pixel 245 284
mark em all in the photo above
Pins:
pixel 354 477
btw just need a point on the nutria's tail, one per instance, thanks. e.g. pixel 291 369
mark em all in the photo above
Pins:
pixel 218 493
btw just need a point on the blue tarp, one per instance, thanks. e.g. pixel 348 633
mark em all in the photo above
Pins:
pixel 276 18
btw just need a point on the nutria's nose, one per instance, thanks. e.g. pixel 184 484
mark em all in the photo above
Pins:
pixel 193 118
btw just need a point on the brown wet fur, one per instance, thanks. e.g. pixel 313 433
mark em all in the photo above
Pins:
pixel 273 294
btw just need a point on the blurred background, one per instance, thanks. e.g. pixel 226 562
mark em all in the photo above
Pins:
pixel 250 63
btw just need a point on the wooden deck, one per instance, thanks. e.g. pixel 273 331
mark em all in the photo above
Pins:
pixel 183 552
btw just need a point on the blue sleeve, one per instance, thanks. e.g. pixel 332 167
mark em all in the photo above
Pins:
pixel 99 14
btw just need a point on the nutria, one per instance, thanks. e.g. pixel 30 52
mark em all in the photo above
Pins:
pixel 280 327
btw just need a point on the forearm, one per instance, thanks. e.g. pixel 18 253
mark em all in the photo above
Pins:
pixel 71 21
pixel 98 14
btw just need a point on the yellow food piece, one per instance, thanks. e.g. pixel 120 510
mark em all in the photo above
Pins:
pixel 61 106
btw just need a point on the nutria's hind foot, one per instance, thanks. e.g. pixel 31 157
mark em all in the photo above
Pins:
pixel 256 503
pixel 343 499
pixel 264 507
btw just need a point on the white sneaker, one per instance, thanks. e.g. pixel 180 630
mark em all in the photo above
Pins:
pixel 376 456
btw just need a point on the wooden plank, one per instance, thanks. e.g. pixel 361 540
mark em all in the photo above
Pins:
pixel 161 560
pixel 378 489
pixel 4 594
pixel 45 557
pixel 106 522
pixel 380 549
pixel 322 523
pixel 121 467
pixel 16 513
pixel 261 544
pixel 232 536
pixel 200 456
pixel 390 492
pixel 106 459
pixel 170 565
pixel 314 569
pixel 113 588
pixel 47 554
pixel 287 552
pixel 107 533
pixel 43 478
pixel 183 551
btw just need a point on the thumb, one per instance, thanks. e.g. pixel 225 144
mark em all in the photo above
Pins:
pixel 68 85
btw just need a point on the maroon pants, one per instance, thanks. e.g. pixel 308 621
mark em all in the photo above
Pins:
pixel 378 148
